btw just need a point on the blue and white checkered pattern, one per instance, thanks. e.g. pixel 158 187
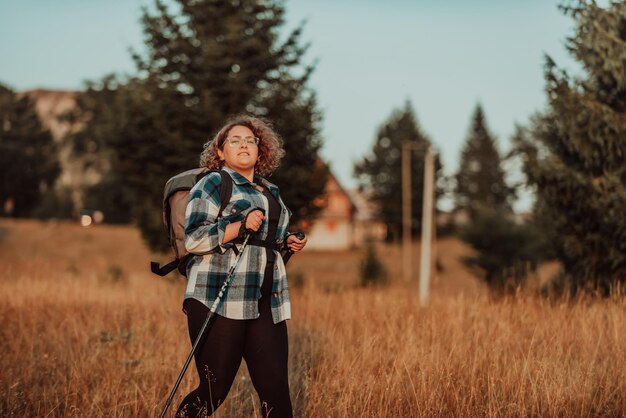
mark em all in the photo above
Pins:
pixel 204 237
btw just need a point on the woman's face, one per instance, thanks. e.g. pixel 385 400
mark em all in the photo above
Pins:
pixel 242 157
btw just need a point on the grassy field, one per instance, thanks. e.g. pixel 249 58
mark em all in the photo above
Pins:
pixel 88 332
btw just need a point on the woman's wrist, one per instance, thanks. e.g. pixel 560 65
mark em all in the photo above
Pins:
pixel 242 229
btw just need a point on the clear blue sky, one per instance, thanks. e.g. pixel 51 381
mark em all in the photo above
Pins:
pixel 443 56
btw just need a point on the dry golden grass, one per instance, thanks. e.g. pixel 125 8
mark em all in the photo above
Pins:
pixel 87 331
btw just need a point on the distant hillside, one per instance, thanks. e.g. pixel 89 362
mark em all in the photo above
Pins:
pixel 51 105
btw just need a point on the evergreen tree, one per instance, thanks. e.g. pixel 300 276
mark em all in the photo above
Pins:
pixel 480 180
pixel 28 156
pixel 380 173
pixel 505 250
pixel 575 153
pixel 206 61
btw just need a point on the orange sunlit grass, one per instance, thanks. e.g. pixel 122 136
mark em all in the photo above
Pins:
pixel 87 331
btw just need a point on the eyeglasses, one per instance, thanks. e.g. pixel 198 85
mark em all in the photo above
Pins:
pixel 236 141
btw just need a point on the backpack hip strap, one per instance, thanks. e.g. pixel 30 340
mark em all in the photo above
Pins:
pixel 259 243
pixel 177 263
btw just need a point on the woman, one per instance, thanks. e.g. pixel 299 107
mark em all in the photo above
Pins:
pixel 250 321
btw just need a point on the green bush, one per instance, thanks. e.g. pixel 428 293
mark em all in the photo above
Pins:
pixel 373 272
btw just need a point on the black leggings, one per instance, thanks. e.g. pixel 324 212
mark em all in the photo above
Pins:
pixel 260 342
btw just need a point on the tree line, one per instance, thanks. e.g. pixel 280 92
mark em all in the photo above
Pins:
pixel 573 156
pixel 205 61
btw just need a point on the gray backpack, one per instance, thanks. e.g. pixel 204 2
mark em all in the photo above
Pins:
pixel 175 198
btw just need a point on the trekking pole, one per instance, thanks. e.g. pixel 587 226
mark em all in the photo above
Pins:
pixel 200 336
pixel 286 257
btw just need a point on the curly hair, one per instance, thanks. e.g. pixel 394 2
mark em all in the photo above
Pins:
pixel 270 145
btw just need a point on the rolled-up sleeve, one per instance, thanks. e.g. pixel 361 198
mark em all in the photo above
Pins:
pixel 204 229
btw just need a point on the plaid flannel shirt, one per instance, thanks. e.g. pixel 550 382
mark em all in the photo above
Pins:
pixel 204 237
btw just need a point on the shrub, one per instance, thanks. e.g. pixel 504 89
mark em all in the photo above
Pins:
pixel 373 272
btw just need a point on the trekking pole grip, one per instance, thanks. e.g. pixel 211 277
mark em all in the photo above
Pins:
pixel 243 230
pixel 300 235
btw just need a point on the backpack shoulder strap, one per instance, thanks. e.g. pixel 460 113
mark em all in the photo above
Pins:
pixel 226 189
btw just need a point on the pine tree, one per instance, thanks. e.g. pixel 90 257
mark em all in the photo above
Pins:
pixel 380 173
pixel 575 153
pixel 506 250
pixel 28 156
pixel 205 62
pixel 480 180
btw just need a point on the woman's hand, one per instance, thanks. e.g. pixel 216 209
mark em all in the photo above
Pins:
pixel 254 220
pixel 296 244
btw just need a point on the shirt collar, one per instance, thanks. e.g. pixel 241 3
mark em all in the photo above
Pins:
pixel 239 180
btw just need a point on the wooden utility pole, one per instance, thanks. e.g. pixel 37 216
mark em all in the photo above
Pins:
pixel 427 225
pixel 427 218
pixel 406 211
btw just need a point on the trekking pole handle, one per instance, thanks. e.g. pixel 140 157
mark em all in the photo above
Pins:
pixel 246 231
pixel 300 235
